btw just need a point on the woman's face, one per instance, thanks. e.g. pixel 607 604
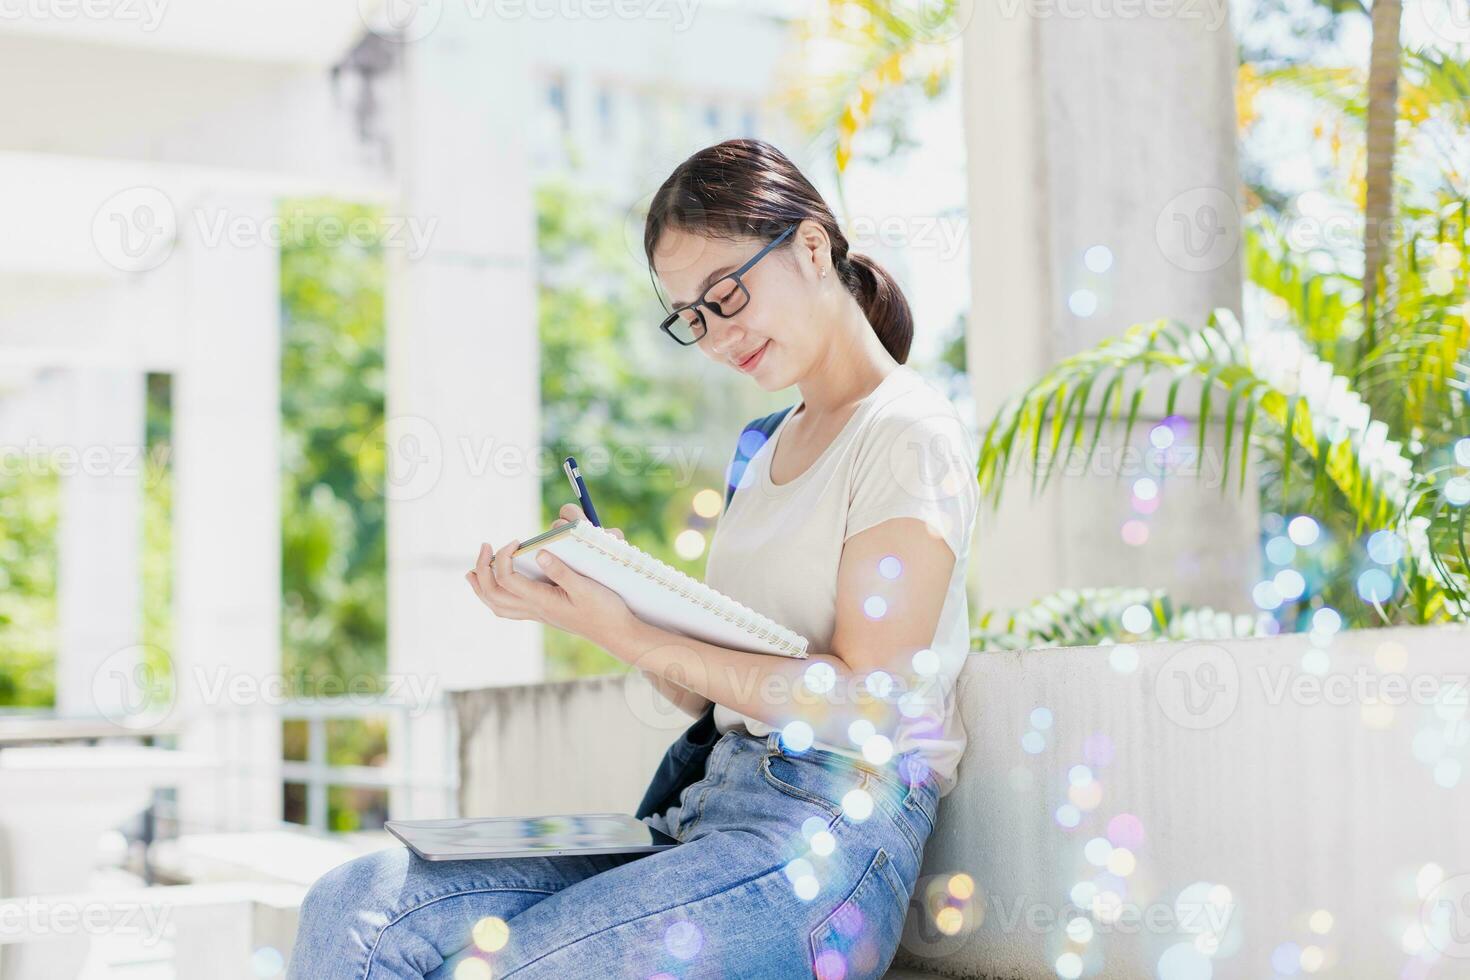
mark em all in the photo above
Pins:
pixel 777 335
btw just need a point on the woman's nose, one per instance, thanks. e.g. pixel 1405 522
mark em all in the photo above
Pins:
pixel 724 336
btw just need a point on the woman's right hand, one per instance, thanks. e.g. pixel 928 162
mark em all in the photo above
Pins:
pixel 573 512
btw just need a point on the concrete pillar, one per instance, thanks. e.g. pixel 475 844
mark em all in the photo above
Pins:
pixel 1088 127
pixel 227 513
pixel 463 389
pixel 99 592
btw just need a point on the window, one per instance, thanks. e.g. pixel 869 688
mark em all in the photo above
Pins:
pixel 605 118
pixel 556 98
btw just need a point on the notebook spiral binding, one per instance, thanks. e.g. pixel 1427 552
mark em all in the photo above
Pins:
pixel 716 602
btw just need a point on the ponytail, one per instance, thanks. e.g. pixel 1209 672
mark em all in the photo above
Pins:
pixel 882 301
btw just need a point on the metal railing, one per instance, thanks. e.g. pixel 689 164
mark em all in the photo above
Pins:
pixel 408 787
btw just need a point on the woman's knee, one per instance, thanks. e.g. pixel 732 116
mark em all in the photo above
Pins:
pixel 356 886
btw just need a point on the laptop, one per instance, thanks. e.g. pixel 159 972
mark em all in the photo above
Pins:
pixel 482 838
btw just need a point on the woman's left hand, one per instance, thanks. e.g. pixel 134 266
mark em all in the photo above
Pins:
pixel 571 602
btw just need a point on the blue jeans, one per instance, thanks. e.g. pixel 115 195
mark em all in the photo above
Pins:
pixel 775 878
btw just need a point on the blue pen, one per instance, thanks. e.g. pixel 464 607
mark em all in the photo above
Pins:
pixel 574 474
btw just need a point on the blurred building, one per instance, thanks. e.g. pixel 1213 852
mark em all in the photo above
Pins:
pixel 144 150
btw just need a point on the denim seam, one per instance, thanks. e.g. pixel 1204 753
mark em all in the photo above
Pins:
pixel 916 798
pixel 913 801
pixel 905 828
pixel 685 828
pixel 881 865
pixel 373 951
pixel 895 884
pixel 794 791
pixel 780 868
pixel 711 766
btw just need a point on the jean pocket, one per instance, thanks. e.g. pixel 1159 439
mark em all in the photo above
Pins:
pixel 802 781
pixel 861 935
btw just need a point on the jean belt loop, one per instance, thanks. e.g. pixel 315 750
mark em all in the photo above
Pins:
pixel 773 742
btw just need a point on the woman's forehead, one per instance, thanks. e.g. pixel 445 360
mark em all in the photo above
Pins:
pixel 681 259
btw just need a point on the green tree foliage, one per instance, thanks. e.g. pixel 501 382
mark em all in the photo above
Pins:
pixel 29 504
pixel 334 547
pixel 604 398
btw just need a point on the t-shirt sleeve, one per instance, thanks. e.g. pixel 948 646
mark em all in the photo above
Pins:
pixel 920 466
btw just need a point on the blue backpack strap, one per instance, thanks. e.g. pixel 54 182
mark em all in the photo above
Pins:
pixel 683 764
pixel 752 438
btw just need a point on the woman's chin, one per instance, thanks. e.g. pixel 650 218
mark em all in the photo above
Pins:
pixel 767 372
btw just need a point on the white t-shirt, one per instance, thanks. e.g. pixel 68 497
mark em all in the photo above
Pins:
pixel 905 452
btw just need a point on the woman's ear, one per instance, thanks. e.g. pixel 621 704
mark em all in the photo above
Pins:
pixel 814 248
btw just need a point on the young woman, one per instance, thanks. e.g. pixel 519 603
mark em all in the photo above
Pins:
pixel 802 842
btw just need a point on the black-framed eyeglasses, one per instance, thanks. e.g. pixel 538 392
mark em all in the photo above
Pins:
pixel 726 297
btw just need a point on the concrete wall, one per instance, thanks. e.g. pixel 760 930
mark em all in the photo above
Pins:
pixel 1302 778
pixel 1112 126
pixel 572 746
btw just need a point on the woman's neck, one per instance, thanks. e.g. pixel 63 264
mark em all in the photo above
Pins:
pixel 851 366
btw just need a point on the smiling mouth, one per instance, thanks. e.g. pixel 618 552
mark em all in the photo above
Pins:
pixel 745 361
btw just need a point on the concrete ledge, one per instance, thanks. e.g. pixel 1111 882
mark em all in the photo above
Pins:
pixel 583 745
pixel 1242 769
pixel 1255 782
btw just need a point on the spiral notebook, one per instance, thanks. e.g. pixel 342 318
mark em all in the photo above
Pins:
pixel 657 592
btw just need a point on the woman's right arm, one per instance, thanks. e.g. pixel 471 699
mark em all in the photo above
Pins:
pixel 684 699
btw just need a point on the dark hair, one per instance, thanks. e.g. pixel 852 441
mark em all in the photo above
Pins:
pixel 749 188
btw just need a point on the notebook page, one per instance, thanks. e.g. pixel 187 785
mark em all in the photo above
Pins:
pixel 660 594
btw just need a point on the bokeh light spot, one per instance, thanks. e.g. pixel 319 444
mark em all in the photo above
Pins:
pixel 472 968
pixel 708 503
pixel 1098 258
pixel 926 662
pixel 820 677
pixel 491 933
pixel 1303 531
pixel 797 736
pixel 683 940
pixel 1137 619
pixel 857 804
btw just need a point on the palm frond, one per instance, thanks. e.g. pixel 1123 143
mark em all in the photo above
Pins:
pixel 1285 396
pixel 1324 305
pixel 1434 82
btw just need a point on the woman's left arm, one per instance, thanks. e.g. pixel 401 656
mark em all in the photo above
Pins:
pixel 881 623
